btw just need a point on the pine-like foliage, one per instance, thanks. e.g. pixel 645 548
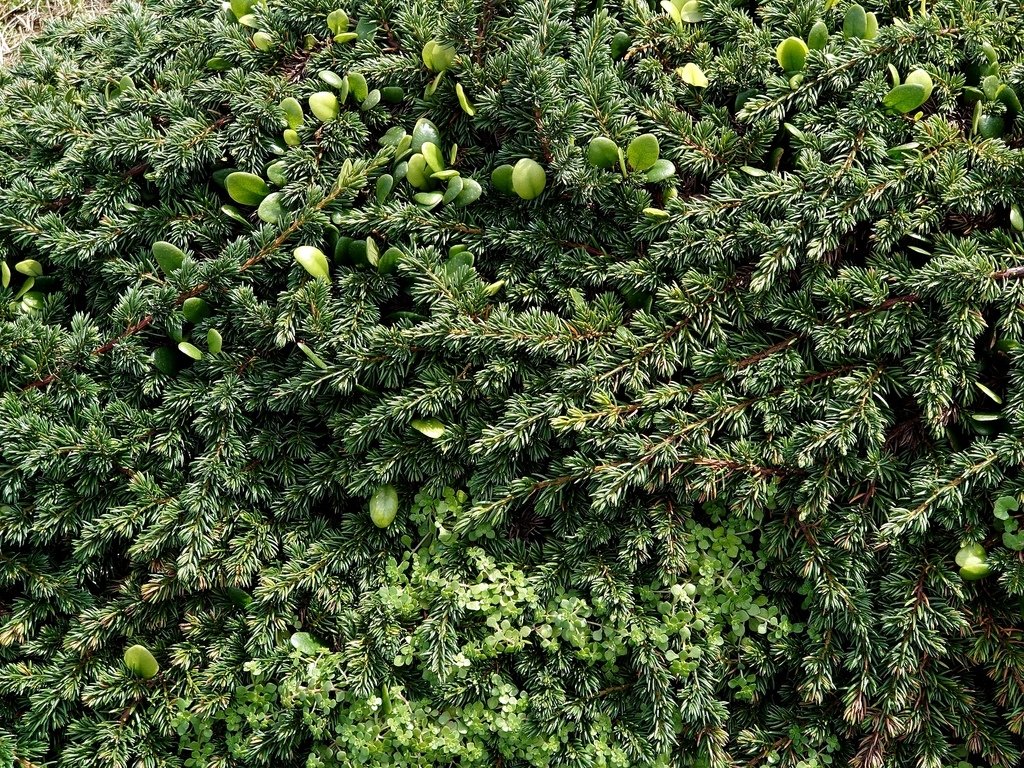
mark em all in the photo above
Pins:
pixel 690 426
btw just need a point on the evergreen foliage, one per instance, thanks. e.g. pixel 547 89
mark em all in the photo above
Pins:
pixel 513 384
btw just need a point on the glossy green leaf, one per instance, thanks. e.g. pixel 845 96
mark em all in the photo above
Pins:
pixel 620 45
pixel 305 644
pixel 246 188
pixel 324 105
pixel 276 173
pixel 602 152
pixel 384 186
pixel 471 192
pixel 528 178
pixel 29 267
pixel 1016 218
pixel 464 102
pixel 195 309
pixel 642 152
pixel 313 260
pixel 189 349
pixel 453 190
pixel 661 171
pixel 424 131
pixel 428 199
pixel 271 210
pixel 357 85
pixel 337 21
pixel 905 98
pixel 693 75
pixel 855 22
pixel 791 54
pixel 388 260
pixel 817 38
pixel 214 341
pixel 141 662
pixel 432 428
pixel 432 155
pixel 263 41
pixel 384 506
pixel 417 172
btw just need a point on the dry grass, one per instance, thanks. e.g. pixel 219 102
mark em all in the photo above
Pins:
pixel 22 18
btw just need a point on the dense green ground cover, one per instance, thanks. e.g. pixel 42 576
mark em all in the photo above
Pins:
pixel 513 383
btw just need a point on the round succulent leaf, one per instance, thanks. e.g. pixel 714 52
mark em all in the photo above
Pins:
pixel 189 349
pixel 246 188
pixel 165 360
pixel 855 22
pixel 432 428
pixel 662 170
pixel 905 98
pixel 620 44
pixel 990 87
pixel 214 341
pixel 428 199
pixel 432 154
pixel 332 79
pixel 271 210
pixel 692 75
pixel 817 38
pixel 389 260
pixel 240 8
pixel 195 309
pixel 602 152
pixel 372 100
pixel 973 552
pixel 528 178
pixel 141 662
pixel 870 26
pixel 324 105
pixel 29 268
pixel 357 85
pixel 991 126
pixel 169 257
pixel 791 54
pixel 464 102
pixel 690 12
pixel 385 184
pixel 314 261
pixel 471 192
pixel 1016 218
pixel 384 506
pixel 305 644
pixel 922 78
pixel 972 571
pixel 438 57
pixel 453 190
pixel 263 41
pixel 417 172
pixel 276 173
pixel 337 21
pixel 642 152
pixel 422 132
pixel 1007 96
